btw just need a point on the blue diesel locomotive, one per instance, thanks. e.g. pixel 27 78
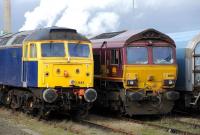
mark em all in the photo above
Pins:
pixel 47 70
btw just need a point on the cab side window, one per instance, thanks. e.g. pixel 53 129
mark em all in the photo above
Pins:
pixel 26 51
pixel 33 51
pixel 115 57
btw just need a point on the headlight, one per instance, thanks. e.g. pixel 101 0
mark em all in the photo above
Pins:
pixel 50 95
pixel 169 82
pixel 90 95
pixel 132 82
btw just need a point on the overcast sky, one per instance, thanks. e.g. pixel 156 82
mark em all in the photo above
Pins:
pixel 165 15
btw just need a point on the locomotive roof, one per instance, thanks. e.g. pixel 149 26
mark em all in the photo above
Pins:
pixel 14 39
pixel 5 35
pixel 51 33
pixel 56 33
pixel 122 38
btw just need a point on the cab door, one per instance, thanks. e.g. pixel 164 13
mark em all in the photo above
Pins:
pixel 29 65
pixel 24 66
pixel 115 64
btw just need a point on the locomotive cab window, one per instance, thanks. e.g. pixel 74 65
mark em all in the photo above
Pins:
pixel 53 50
pixel 162 55
pixel 115 57
pixel 33 51
pixel 137 55
pixel 79 50
pixel 26 51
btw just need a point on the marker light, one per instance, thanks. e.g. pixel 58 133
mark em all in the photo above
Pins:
pixel 66 74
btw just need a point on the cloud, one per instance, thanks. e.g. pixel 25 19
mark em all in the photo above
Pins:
pixel 44 14
pixel 102 22
pixel 88 16
pixel 96 16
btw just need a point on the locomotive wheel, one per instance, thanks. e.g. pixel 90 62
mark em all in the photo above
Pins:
pixel 7 98
pixel 42 113
pixel 28 106
pixel 121 108
pixel 15 102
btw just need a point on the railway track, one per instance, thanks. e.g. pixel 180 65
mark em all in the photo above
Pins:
pixel 162 127
pixel 188 123
pixel 71 129
pixel 90 124
pixel 168 129
pixel 55 123
pixel 108 128
pixel 105 127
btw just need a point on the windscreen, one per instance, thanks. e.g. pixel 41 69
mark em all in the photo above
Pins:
pixel 162 55
pixel 53 50
pixel 137 55
pixel 78 50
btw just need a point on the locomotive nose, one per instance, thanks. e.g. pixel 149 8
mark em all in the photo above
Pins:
pixel 90 95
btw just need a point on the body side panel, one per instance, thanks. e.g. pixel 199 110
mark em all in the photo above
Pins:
pixel 10 66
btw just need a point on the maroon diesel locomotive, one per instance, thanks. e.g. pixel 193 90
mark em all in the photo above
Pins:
pixel 135 72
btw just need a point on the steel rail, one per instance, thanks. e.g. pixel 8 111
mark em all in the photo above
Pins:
pixel 187 123
pixel 106 127
pixel 168 129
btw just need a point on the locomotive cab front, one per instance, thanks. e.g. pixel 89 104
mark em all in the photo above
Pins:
pixel 59 70
pixel 151 67
pixel 61 65
pixel 150 75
